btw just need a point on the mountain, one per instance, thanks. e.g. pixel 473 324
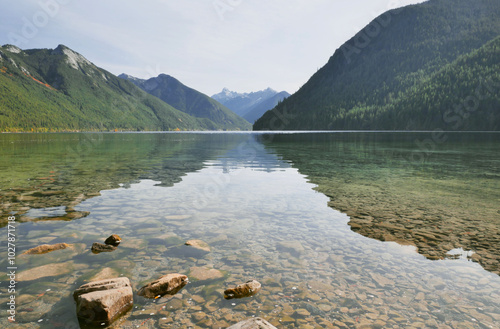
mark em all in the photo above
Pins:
pixel 190 101
pixel 415 68
pixel 256 111
pixel 241 103
pixel 250 106
pixel 60 90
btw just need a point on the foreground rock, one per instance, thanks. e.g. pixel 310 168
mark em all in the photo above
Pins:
pixel 248 289
pixel 168 284
pixel 253 323
pixel 45 248
pixel 100 247
pixel 102 302
pixel 113 240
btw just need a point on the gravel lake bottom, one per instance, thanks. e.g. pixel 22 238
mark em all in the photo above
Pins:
pixel 342 230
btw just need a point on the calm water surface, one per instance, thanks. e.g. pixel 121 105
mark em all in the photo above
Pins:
pixel 248 197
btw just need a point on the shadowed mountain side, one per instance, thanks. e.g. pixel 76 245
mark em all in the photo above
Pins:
pixel 190 101
pixel 259 109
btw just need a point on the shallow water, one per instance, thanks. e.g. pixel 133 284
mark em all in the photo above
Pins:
pixel 247 196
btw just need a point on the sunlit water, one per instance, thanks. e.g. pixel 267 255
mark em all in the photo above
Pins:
pixel 262 219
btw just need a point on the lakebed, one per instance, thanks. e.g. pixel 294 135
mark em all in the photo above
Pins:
pixel 254 200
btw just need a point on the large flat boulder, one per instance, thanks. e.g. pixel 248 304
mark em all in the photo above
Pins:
pixel 102 302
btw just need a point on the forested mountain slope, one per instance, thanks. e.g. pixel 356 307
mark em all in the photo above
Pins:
pixel 401 57
pixel 60 90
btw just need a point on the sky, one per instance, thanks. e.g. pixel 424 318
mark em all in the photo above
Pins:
pixel 243 45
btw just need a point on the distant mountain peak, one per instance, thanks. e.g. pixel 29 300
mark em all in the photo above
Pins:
pixel 12 49
pixel 250 105
pixel 131 78
pixel 126 76
pixel 227 94
pixel 163 75
pixel 74 59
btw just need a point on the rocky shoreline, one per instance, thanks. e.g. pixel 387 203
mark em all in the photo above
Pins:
pixel 107 298
pixel 306 282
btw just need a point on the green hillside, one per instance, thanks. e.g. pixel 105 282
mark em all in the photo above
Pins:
pixel 464 95
pixel 386 76
pixel 190 101
pixel 59 90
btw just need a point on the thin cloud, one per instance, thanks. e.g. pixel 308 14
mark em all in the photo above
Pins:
pixel 243 45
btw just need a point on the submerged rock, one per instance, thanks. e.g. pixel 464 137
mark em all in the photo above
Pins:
pixel 102 302
pixel 246 289
pixel 45 271
pixel 253 323
pixel 191 248
pixel 295 248
pixel 77 214
pixel 105 273
pixel 198 244
pixel 100 247
pixel 168 284
pixel 205 274
pixel 45 248
pixel 113 240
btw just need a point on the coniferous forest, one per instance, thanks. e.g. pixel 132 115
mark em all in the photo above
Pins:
pixel 434 65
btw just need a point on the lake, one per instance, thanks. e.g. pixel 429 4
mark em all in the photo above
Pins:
pixel 342 229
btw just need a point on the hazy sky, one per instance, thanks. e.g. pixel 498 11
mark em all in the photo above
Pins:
pixel 244 45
